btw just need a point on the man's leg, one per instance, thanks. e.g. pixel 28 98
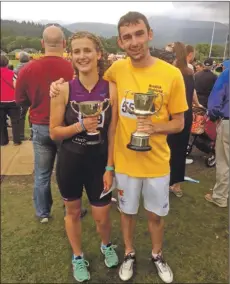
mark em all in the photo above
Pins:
pixel 156 203
pixel 129 190
pixel 221 188
pixel 44 155
pixel 14 113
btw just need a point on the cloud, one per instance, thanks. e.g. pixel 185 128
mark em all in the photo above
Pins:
pixel 211 11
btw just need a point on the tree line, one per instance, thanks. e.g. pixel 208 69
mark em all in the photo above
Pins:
pixel 15 35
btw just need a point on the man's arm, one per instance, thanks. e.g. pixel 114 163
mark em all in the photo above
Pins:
pixel 216 97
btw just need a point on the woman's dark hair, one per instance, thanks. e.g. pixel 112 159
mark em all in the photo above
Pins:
pixel 102 63
pixel 4 61
pixel 181 58
pixel 11 67
pixel 132 18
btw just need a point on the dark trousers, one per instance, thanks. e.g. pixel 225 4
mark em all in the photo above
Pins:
pixel 22 122
pixel 13 111
pixel 178 145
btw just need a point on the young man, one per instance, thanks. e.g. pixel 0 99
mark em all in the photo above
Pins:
pixel 145 173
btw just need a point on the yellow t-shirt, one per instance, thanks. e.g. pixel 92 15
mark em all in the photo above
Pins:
pixel 164 79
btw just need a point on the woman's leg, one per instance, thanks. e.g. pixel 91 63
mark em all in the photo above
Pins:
pixel 73 225
pixel 69 178
pixel 93 180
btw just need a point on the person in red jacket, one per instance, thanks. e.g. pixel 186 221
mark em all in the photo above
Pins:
pixel 8 105
pixel 32 89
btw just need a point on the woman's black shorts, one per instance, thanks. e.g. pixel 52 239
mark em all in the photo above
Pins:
pixel 75 171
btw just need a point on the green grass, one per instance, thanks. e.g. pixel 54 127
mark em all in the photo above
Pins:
pixel 195 245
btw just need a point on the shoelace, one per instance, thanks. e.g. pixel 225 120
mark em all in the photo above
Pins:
pixel 161 262
pixel 81 264
pixel 127 263
pixel 109 251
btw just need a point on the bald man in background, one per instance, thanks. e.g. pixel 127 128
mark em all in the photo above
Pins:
pixel 32 90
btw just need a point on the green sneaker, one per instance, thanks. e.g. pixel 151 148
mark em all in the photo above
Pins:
pixel 80 271
pixel 111 258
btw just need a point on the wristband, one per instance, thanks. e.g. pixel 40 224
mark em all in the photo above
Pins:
pixel 82 125
pixel 109 168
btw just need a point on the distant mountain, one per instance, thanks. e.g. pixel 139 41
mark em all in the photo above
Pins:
pixel 105 30
pixel 165 30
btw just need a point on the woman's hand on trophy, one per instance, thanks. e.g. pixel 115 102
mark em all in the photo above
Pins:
pixel 91 123
pixel 54 88
pixel 145 124
pixel 108 180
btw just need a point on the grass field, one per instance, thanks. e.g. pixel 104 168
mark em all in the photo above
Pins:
pixel 195 246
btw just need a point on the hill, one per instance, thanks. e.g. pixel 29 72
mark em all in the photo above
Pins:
pixel 165 30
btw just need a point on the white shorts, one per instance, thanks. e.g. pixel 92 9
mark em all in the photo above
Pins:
pixel 155 192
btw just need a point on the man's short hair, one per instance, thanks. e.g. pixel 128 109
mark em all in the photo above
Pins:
pixel 4 60
pixel 132 18
pixel 24 57
pixel 189 49
pixel 208 62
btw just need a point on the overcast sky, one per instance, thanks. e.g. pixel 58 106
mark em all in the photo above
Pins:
pixel 110 12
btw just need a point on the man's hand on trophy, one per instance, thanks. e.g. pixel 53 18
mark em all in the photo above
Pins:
pixel 145 124
pixel 108 180
pixel 91 123
pixel 54 88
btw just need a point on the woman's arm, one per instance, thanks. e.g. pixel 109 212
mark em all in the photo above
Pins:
pixel 58 130
pixel 113 123
pixel 195 100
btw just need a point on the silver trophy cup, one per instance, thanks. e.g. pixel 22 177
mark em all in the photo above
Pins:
pixel 144 105
pixel 90 109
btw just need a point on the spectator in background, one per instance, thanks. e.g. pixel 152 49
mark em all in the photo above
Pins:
pixel 190 51
pixel 32 90
pixel 218 110
pixel 24 58
pixel 204 82
pixel 199 67
pixel 178 142
pixel 8 105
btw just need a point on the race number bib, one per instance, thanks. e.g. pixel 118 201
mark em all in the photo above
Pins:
pixel 101 119
pixel 125 106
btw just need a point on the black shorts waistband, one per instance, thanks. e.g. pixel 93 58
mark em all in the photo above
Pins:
pixel 225 118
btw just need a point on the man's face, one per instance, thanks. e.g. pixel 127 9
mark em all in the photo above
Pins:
pixel 134 39
pixel 199 68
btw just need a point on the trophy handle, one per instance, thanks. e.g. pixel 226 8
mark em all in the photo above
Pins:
pixel 72 103
pixel 162 100
pixel 102 105
pixel 126 94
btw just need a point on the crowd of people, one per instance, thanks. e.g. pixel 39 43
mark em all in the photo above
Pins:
pixel 49 85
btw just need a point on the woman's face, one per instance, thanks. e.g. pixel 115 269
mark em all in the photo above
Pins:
pixel 84 55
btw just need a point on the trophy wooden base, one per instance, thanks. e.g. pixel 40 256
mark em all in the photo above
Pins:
pixel 139 143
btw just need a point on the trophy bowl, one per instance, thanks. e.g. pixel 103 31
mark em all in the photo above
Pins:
pixel 91 109
pixel 144 105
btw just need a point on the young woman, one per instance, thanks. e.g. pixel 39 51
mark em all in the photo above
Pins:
pixel 80 164
pixel 178 142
